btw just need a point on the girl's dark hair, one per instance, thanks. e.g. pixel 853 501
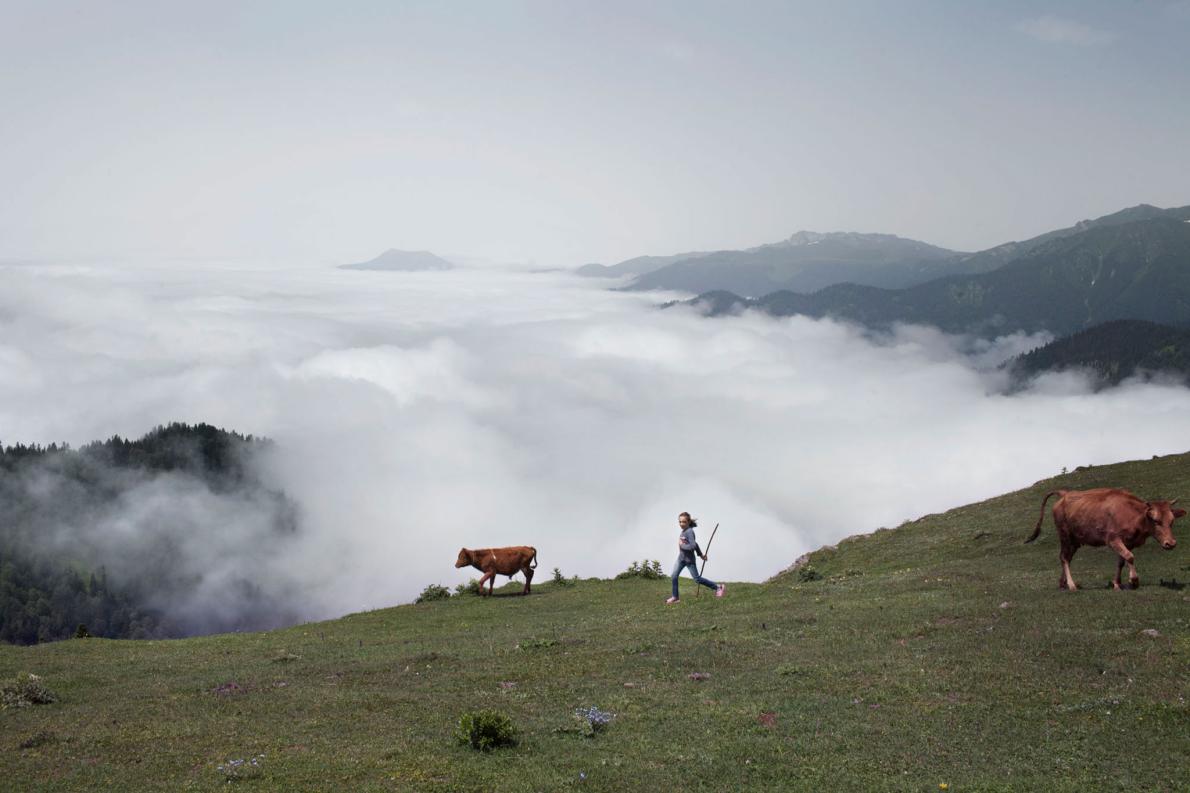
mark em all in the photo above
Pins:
pixel 688 517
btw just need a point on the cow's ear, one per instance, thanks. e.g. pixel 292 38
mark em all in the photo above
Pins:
pixel 1179 513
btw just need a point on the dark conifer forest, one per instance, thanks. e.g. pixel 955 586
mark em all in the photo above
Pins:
pixel 90 537
pixel 1111 353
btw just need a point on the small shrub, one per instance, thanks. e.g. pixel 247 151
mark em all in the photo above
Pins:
pixel 433 592
pixel 787 670
pixel 38 739
pixel 81 632
pixel 807 574
pixel 469 588
pixel 235 770
pixel 560 579
pixel 284 657
pixel 485 730
pixel 25 690
pixel 535 644
pixel 592 720
pixel 229 689
pixel 643 569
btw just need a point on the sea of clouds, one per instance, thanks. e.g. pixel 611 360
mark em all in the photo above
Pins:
pixel 415 413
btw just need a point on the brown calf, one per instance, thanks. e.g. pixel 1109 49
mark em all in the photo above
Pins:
pixel 502 561
pixel 1111 517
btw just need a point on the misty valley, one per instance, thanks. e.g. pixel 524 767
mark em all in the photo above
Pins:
pixel 420 399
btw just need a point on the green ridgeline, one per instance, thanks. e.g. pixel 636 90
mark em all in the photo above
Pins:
pixel 937 653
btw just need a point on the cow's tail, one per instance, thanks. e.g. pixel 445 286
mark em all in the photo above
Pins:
pixel 534 564
pixel 1041 518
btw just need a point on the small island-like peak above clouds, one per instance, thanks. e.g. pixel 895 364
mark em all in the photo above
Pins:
pixel 402 261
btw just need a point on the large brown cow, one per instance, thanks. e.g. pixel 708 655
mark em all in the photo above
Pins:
pixel 1107 516
pixel 502 561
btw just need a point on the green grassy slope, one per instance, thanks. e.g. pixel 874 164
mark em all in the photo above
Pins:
pixel 940 652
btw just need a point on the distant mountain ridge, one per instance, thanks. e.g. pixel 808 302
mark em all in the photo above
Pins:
pixel 1138 269
pixel 635 266
pixel 809 261
pixel 805 261
pixel 402 261
pixel 994 258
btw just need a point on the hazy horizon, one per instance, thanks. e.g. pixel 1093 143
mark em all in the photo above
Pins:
pixel 560 134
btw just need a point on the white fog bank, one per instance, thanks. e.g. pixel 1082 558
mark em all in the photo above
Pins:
pixel 417 413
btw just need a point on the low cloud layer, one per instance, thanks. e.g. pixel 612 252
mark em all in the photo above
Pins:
pixel 417 413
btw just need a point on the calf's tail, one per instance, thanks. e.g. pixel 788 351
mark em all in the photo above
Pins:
pixel 1041 518
pixel 534 564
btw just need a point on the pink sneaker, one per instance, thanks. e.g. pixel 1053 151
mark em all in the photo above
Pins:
pixel 670 600
pixel 719 592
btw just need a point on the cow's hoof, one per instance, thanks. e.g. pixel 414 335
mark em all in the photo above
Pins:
pixel 1134 583
pixel 1115 585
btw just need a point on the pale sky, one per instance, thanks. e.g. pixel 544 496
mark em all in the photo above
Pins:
pixel 568 132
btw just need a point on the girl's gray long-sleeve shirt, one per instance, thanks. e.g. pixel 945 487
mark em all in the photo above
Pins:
pixel 687 544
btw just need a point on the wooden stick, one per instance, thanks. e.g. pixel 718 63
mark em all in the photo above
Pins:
pixel 697 586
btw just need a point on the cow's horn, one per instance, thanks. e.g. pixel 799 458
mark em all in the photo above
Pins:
pixel 1173 502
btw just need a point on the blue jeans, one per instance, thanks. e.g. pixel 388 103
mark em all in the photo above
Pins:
pixel 693 567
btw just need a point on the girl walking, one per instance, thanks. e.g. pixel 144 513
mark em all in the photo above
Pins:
pixel 687 548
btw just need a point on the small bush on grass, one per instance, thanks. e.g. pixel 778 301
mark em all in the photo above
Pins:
pixel 433 592
pixel 562 580
pixel 485 730
pixel 643 569
pixel 535 644
pixel 469 588
pixel 38 739
pixel 236 770
pixel 807 574
pixel 592 720
pixel 25 690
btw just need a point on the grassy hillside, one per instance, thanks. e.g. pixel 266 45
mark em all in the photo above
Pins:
pixel 937 653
